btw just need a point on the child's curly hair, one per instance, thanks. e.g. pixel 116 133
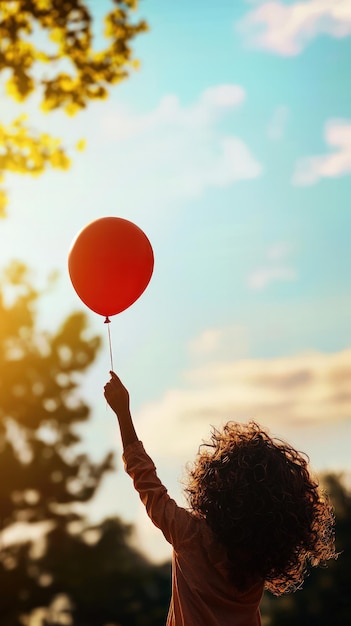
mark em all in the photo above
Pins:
pixel 258 497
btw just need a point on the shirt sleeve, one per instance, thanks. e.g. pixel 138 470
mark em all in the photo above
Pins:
pixel 176 523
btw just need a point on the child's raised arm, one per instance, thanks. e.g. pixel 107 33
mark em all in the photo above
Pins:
pixel 117 397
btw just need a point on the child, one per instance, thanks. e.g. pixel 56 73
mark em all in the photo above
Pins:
pixel 256 520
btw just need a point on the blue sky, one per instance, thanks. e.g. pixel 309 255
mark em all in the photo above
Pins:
pixel 231 148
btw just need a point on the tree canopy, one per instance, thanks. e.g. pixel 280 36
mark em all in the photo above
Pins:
pixel 67 25
pixel 50 47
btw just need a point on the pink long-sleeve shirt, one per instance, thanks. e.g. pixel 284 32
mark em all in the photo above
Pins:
pixel 201 592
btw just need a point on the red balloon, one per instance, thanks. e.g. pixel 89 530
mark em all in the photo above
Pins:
pixel 110 264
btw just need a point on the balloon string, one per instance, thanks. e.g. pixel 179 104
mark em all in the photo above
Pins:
pixel 108 321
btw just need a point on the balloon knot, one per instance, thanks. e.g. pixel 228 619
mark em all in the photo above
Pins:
pixel 107 320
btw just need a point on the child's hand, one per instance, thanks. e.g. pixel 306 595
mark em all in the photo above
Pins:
pixel 117 395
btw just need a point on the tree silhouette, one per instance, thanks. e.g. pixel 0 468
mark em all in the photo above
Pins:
pixel 47 47
pixel 325 597
pixel 40 406
pixel 43 479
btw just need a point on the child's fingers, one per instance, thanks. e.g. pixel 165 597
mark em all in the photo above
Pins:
pixel 115 381
pixel 110 387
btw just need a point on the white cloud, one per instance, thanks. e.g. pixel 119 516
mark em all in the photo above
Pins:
pixel 222 96
pixel 177 151
pixel 281 393
pixel 279 250
pixel 287 29
pixel 311 169
pixel 169 113
pixel 206 342
pixel 260 278
pixel 229 342
pixel 277 124
pixel 275 269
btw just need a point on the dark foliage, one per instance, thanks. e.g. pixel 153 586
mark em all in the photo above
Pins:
pixel 326 595
pixel 95 568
